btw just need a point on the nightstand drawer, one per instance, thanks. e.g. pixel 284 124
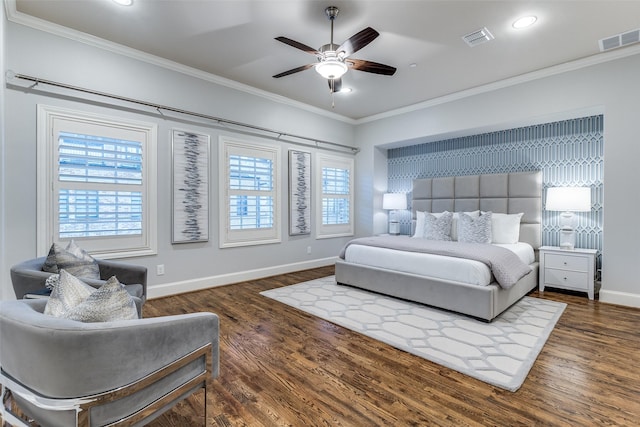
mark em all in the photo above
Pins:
pixel 566 279
pixel 566 262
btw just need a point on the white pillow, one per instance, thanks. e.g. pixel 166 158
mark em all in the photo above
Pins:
pixel 505 228
pixel 455 222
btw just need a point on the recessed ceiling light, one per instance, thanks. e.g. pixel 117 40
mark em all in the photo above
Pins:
pixel 346 90
pixel 413 65
pixel 524 22
pixel 124 2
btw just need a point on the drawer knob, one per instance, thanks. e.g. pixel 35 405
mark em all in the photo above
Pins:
pixel 565 263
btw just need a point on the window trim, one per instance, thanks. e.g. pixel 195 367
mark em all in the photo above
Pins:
pixel 46 154
pixel 234 238
pixel 333 230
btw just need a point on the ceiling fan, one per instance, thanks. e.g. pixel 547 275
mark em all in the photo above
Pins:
pixel 333 60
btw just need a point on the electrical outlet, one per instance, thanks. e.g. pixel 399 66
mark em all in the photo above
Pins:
pixel 308 249
pixel 160 269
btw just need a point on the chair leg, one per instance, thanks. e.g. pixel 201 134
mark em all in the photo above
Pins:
pixel 9 418
pixel 208 381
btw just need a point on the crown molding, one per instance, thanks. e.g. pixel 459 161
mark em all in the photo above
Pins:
pixel 39 24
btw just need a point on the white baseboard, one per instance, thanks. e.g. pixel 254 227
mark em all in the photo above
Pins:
pixel 620 298
pixel 167 289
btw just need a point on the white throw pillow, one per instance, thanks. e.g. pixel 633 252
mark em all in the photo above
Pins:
pixel 505 228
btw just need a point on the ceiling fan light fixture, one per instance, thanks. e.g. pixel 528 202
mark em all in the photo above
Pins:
pixel 331 69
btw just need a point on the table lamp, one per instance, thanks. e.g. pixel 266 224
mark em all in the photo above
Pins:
pixel 394 202
pixel 568 200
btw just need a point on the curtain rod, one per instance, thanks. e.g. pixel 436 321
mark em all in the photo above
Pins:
pixel 277 134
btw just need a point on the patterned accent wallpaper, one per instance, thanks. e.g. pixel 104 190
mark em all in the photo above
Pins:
pixel 569 153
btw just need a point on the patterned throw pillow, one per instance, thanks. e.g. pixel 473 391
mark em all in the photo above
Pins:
pixel 456 220
pixel 438 227
pixel 52 281
pixel 474 230
pixel 110 302
pixel 69 292
pixel 73 299
pixel 73 259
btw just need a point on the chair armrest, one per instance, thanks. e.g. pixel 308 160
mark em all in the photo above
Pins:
pixel 80 359
pixel 128 274
pixel 28 277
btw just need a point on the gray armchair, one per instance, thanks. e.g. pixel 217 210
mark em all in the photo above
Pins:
pixel 28 277
pixel 64 373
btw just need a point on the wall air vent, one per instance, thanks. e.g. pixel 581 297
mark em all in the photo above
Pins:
pixel 477 37
pixel 619 40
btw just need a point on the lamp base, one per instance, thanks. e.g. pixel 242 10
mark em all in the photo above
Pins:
pixel 567 239
pixel 394 228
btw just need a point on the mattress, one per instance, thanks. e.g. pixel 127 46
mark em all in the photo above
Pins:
pixel 435 266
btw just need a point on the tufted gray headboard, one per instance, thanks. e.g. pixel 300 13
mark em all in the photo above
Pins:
pixel 503 192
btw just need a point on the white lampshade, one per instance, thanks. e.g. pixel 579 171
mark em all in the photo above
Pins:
pixel 392 201
pixel 331 68
pixel 568 199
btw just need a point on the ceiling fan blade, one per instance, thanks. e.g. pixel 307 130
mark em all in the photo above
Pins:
pixel 299 45
pixel 370 67
pixel 335 85
pixel 358 41
pixel 294 70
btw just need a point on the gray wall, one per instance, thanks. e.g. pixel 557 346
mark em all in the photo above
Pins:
pixel 609 88
pixel 187 266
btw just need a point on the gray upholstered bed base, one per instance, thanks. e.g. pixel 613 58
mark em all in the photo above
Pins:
pixel 483 302
pixel 509 193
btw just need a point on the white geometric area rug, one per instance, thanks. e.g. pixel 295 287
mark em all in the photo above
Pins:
pixel 500 353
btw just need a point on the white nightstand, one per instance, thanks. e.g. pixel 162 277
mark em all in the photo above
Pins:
pixel 567 269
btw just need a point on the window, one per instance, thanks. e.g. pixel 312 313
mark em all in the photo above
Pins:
pixel 334 190
pixel 98 185
pixel 250 192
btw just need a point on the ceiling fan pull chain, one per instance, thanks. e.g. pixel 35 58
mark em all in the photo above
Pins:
pixel 332 90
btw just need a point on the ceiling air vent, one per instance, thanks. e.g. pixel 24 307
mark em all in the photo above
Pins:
pixel 477 37
pixel 620 40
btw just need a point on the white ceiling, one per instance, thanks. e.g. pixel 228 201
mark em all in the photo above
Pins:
pixel 234 39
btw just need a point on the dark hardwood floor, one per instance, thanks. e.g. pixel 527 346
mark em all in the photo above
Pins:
pixel 280 366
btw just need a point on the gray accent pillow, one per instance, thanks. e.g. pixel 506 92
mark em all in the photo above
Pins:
pixel 52 281
pixel 73 299
pixel 438 227
pixel 110 302
pixel 474 230
pixel 74 259
pixel 66 294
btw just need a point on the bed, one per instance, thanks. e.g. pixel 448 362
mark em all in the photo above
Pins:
pixel 413 277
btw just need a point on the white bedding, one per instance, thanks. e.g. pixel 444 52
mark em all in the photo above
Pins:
pixel 436 266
